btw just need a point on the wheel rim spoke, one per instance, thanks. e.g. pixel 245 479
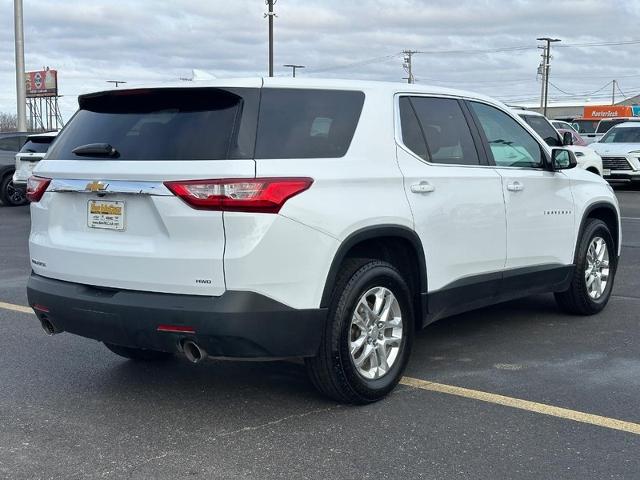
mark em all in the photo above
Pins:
pixel 375 334
pixel 596 272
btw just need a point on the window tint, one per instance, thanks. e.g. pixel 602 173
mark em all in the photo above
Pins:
pixel 605 125
pixel 585 126
pixel 412 136
pixel 300 123
pixel 37 145
pixel 543 128
pixel 622 135
pixel 511 145
pixel 446 131
pixel 12 143
pixel 164 124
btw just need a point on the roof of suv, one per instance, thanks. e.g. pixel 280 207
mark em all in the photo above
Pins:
pixel 330 83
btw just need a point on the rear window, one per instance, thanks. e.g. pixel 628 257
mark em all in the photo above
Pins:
pixel 213 124
pixel 299 123
pixel 164 124
pixel 37 145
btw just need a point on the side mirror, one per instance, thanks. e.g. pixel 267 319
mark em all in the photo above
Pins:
pixel 567 138
pixel 562 159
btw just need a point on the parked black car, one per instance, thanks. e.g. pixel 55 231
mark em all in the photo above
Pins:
pixel 10 144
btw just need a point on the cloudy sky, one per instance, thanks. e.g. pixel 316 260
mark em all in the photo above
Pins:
pixel 483 45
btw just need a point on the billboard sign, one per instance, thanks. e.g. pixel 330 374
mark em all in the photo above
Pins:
pixel 43 83
pixel 598 112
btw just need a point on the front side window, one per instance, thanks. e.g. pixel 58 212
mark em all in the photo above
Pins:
pixel 12 143
pixel 543 128
pixel 510 144
pixel 435 129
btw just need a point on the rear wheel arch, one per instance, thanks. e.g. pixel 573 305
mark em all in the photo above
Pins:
pixel 398 245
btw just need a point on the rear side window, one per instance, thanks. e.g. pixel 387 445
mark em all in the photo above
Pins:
pixel 301 123
pixel 164 124
pixel 37 145
pixel 11 144
pixel 444 130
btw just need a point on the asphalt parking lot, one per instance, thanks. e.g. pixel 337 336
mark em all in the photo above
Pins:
pixel 71 409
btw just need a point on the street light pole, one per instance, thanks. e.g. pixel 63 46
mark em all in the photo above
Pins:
pixel 270 14
pixel 293 68
pixel 21 89
pixel 547 69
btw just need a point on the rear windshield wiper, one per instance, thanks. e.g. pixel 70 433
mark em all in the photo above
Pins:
pixel 96 150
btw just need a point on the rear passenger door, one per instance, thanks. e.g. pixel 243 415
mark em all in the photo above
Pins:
pixel 539 203
pixel 456 199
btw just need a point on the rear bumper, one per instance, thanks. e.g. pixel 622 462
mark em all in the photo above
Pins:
pixel 235 324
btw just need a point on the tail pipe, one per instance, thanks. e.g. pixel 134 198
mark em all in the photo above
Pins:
pixel 194 352
pixel 48 326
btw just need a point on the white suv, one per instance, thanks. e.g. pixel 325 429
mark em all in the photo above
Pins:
pixel 274 218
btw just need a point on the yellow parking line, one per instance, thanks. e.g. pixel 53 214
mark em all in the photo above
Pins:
pixel 535 407
pixel 16 308
pixel 520 404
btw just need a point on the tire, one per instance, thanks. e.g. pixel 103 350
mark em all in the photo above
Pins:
pixel 579 299
pixel 333 371
pixel 10 195
pixel 138 354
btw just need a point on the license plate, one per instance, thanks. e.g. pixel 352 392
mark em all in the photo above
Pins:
pixel 107 214
pixel 606 171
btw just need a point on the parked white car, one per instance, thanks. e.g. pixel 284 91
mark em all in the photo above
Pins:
pixel 323 219
pixel 34 149
pixel 620 151
pixel 587 158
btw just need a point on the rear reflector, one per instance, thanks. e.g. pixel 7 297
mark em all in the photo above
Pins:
pixel 40 308
pixel 175 329
pixel 36 187
pixel 261 195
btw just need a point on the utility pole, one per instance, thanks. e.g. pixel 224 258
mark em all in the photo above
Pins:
pixel 270 14
pixel 613 93
pixel 407 65
pixel 21 88
pixel 546 69
pixel 293 68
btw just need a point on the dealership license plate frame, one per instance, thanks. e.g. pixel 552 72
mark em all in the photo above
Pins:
pixel 106 220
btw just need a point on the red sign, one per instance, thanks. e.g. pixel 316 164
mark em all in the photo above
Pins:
pixel 43 83
pixel 598 112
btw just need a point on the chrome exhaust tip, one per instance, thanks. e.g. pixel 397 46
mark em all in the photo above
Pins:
pixel 193 351
pixel 48 327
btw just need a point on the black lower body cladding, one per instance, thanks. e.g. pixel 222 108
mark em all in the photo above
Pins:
pixel 235 324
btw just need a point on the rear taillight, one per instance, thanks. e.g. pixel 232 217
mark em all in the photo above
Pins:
pixel 262 195
pixel 36 187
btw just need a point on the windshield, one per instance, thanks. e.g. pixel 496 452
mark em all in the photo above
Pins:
pixel 622 135
pixel 585 126
pixel 605 125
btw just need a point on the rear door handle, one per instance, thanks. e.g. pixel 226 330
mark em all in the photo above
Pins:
pixel 515 187
pixel 422 187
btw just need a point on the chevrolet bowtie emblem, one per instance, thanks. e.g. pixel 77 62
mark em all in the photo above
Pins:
pixel 96 186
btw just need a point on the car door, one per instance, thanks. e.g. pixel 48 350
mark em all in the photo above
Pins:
pixel 539 203
pixel 456 199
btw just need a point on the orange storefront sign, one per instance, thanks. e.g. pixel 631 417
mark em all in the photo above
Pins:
pixel 597 112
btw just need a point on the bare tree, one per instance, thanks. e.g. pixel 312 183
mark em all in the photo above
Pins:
pixel 8 122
